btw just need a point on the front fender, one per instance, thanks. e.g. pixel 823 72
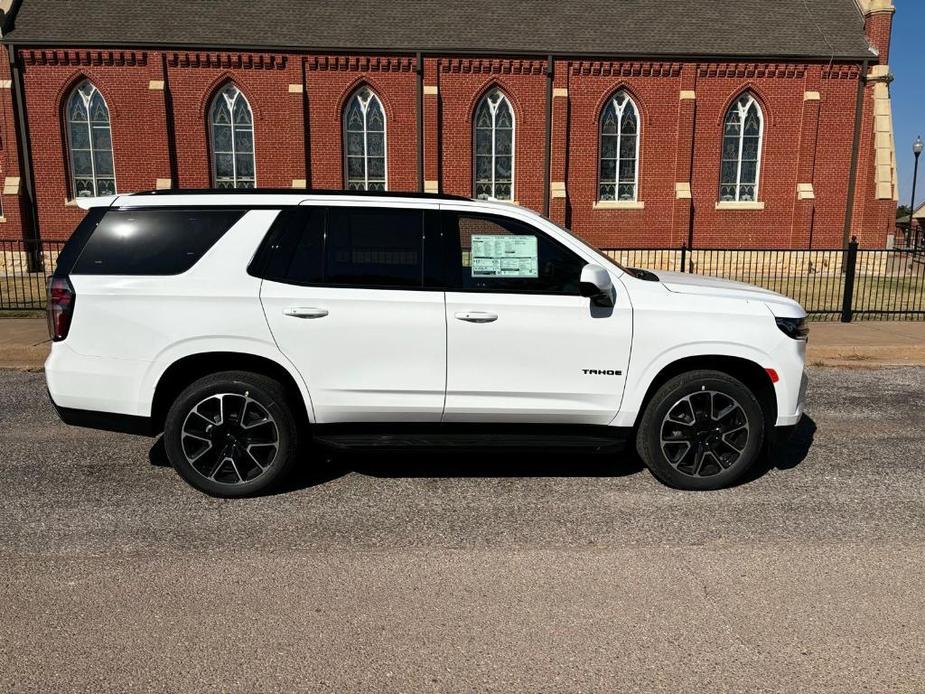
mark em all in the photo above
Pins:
pixel 642 375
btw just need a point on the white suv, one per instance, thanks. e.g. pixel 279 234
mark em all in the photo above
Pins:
pixel 243 325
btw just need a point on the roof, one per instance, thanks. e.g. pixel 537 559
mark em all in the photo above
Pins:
pixel 711 28
pixel 918 213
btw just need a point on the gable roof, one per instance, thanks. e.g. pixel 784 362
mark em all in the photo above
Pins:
pixel 819 29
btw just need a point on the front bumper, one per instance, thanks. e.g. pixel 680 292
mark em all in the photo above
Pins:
pixel 792 418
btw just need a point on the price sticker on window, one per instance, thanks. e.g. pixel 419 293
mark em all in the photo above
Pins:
pixel 504 256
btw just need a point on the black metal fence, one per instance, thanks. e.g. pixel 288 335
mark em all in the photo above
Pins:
pixel 24 270
pixel 831 284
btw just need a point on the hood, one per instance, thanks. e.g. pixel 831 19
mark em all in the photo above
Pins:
pixel 686 283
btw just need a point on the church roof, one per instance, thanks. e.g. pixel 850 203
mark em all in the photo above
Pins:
pixel 788 29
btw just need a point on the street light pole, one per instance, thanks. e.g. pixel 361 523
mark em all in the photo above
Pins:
pixel 917 147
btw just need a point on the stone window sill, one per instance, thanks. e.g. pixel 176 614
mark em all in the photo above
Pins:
pixel 619 205
pixel 751 205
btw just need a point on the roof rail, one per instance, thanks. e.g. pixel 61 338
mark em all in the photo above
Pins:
pixel 298 191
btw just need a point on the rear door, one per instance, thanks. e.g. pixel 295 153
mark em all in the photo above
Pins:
pixel 522 344
pixel 349 302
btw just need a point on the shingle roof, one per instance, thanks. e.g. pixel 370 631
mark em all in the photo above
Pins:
pixel 746 28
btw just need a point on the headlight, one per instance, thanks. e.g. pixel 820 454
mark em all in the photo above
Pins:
pixel 794 328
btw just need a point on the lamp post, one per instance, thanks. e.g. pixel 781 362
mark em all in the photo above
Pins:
pixel 917 147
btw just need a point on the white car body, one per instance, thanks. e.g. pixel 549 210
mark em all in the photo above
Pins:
pixel 377 355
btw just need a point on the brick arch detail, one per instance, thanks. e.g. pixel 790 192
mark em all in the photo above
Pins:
pixel 494 83
pixel 750 88
pixel 634 95
pixel 204 103
pixel 354 87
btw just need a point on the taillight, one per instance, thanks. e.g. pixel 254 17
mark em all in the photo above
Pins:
pixel 61 298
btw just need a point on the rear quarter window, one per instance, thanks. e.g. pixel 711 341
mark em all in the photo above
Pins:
pixel 153 242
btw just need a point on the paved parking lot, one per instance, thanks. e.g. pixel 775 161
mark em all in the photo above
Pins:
pixel 516 572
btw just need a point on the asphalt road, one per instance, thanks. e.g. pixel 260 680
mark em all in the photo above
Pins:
pixel 517 572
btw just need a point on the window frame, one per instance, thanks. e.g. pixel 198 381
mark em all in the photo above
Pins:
pixel 385 139
pixel 486 98
pixel 453 252
pixel 742 115
pixel 600 148
pixel 213 154
pixel 75 91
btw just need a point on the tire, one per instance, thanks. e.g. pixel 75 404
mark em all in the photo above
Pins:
pixel 701 430
pixel 232 434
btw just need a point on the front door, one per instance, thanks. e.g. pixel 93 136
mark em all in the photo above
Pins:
pixel 522 344
pixel 346 303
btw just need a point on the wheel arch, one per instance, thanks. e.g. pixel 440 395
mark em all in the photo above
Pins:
pixel 749 372
pixel 187 369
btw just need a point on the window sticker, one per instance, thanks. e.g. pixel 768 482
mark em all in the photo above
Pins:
pixel 504 256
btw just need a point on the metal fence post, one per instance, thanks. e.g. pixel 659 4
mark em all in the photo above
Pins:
pixel 851 260
pixel 683 256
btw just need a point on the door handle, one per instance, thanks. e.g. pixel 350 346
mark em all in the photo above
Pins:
pixel 477 316
pixel 305 312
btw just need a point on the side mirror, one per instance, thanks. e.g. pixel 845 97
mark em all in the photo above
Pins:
pixel 595 283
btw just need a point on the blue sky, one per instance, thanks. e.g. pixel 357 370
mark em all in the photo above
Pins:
pixel 907 63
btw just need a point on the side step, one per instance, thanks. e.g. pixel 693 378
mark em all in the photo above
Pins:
pixel 470 436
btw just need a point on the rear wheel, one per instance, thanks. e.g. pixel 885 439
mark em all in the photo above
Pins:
pixel 701 430
pixel 232 434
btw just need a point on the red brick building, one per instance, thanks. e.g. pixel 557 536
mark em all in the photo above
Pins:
pixel 732 124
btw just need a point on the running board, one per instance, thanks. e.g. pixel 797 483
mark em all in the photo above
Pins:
pixel 470 436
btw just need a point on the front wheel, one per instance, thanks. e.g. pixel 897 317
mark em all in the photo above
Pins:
pixel 701 430
pixel 232 434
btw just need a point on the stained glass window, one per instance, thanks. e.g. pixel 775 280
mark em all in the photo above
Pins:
pixel 619 157
pixel 364 142
pixel 494 148
pixel 89 143
pixel 231 124
pixel 743 130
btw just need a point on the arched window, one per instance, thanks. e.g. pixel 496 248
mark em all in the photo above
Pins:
pixel 364 142
pixel 742 134
pixel 619 169
pixel 494 148
pixel 89 142
pixel 231 130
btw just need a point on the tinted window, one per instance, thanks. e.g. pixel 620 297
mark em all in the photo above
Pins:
pixel 504 255
pixel 373 247
pixel 153 242
pixel 295 246
pixel 75 244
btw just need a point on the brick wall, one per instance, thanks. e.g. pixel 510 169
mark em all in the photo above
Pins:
pixel 298 100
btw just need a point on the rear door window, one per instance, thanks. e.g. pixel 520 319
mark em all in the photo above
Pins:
pixel 293 251
pixel 374 247
pixel 360 247
pixel 153 241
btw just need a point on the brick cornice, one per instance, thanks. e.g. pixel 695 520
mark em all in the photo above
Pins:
pixel 227 61
pixel 351 63
pixel 490 66
pixel 841 72
pixel 777 70
pixel 83 57
pixel 625 69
